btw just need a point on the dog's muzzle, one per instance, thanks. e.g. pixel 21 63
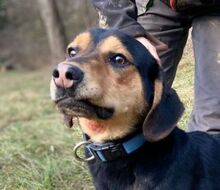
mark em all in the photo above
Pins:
pixel 66 78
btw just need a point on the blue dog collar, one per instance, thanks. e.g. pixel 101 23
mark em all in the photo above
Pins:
pixel 113 150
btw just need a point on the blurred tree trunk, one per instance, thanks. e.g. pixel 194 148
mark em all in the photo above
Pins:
pixel 87 9
pixel 54 28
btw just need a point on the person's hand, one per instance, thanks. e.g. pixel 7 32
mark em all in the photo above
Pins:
pixel 154 48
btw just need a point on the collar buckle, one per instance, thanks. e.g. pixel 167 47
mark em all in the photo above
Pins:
pixel 107 151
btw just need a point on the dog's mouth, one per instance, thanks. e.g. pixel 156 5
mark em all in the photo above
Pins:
pixel 71 108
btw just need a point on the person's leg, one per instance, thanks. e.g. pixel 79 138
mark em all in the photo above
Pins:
pixel 206 42
pixel 171 28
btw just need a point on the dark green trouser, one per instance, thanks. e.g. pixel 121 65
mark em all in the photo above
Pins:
pixel 172 28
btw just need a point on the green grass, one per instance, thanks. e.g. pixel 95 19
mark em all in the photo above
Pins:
pixel 35 148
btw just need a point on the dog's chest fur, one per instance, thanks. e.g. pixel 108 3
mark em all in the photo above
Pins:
pixel 169 164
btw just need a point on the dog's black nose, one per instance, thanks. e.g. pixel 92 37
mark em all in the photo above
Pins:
pixel 66 75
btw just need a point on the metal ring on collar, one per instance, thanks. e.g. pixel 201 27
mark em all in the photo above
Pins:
pixel 75 151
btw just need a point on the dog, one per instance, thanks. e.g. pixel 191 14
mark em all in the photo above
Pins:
pixel 115 88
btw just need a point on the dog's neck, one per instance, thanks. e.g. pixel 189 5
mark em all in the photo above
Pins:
pixel 117 148
pixel 147 149
pixel 101 131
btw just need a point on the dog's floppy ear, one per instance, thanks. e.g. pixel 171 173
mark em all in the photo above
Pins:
pixel 164 113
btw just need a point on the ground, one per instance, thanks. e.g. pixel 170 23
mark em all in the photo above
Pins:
pixel 35 147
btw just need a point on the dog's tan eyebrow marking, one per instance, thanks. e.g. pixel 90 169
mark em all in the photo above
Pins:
pixel 82 41
pixel 113 44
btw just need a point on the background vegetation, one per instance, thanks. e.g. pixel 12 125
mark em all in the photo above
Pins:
pixel 35 147
pixel 23 37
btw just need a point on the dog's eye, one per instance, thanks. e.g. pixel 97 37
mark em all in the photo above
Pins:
pixel 72 52
pixel 118 59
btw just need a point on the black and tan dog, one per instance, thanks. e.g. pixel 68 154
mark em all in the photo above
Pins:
pixel 114 86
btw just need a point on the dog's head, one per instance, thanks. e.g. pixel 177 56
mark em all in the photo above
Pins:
pixel 113 85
